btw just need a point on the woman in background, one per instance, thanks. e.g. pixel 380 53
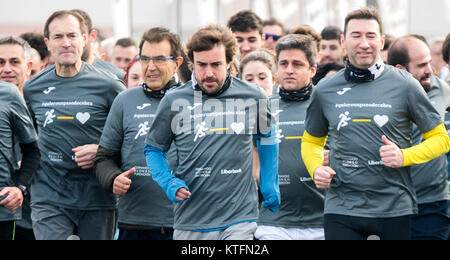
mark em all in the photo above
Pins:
pixel 133 76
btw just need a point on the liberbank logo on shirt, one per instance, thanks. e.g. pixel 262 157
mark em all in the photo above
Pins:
pixel 221 116
pixel 205 172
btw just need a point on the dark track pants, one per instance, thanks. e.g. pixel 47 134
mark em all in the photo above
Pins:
pixel 341 227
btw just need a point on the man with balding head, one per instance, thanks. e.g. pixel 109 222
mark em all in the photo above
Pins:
pixel 412 54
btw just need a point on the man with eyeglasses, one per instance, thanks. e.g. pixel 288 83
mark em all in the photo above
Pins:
pixel 144 212
pixel 272 30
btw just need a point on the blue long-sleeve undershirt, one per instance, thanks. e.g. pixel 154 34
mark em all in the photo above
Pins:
pixel 268 153
pixel 268 181
pixel 159 167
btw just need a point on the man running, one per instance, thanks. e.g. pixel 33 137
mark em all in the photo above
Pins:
pixel 300 216
pixel 214 188
pixel 144 211
pixel 15 181
pixel 70 103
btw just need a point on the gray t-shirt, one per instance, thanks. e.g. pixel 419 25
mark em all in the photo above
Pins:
pixel 356 116
pixel 70 112
pixel 16 127
pixel 301 202
pixel 127 126
pixel 213 136
pixel 430 179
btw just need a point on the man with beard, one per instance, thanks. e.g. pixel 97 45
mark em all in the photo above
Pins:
pixel 212 121
pixel 430 179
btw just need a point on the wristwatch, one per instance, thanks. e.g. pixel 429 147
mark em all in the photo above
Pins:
pixel 23 189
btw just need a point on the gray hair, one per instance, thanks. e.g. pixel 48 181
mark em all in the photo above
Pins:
pixel 14 40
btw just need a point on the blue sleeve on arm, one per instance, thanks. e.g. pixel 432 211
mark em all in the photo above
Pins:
pixel 268 155
pixel 161 173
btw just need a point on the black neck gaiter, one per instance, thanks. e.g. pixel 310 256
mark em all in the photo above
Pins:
pixel 355 75
pixel 297 95
pixel 160 93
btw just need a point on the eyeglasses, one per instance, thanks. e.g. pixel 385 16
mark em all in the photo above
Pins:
pixel 160 60
pixel 273 36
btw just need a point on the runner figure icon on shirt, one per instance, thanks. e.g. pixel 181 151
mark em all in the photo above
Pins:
pixel 344 120
pixel 143 130
pixel 50 115
pixel 201 129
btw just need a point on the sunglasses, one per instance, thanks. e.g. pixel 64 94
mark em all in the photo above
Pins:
pixel 273 36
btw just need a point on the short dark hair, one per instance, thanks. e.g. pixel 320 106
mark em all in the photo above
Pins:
pixel 159 34
pixel 303 42
pixel 37 42
pixel 125 42
pixel 208 37
pixel 324 69
pixel 245 21
pixel 446 49
pixel 365 13
pixel 64 13
pixel 331 33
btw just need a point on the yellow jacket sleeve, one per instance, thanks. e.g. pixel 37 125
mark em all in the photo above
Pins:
pixel 436 144
pixel 312 152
